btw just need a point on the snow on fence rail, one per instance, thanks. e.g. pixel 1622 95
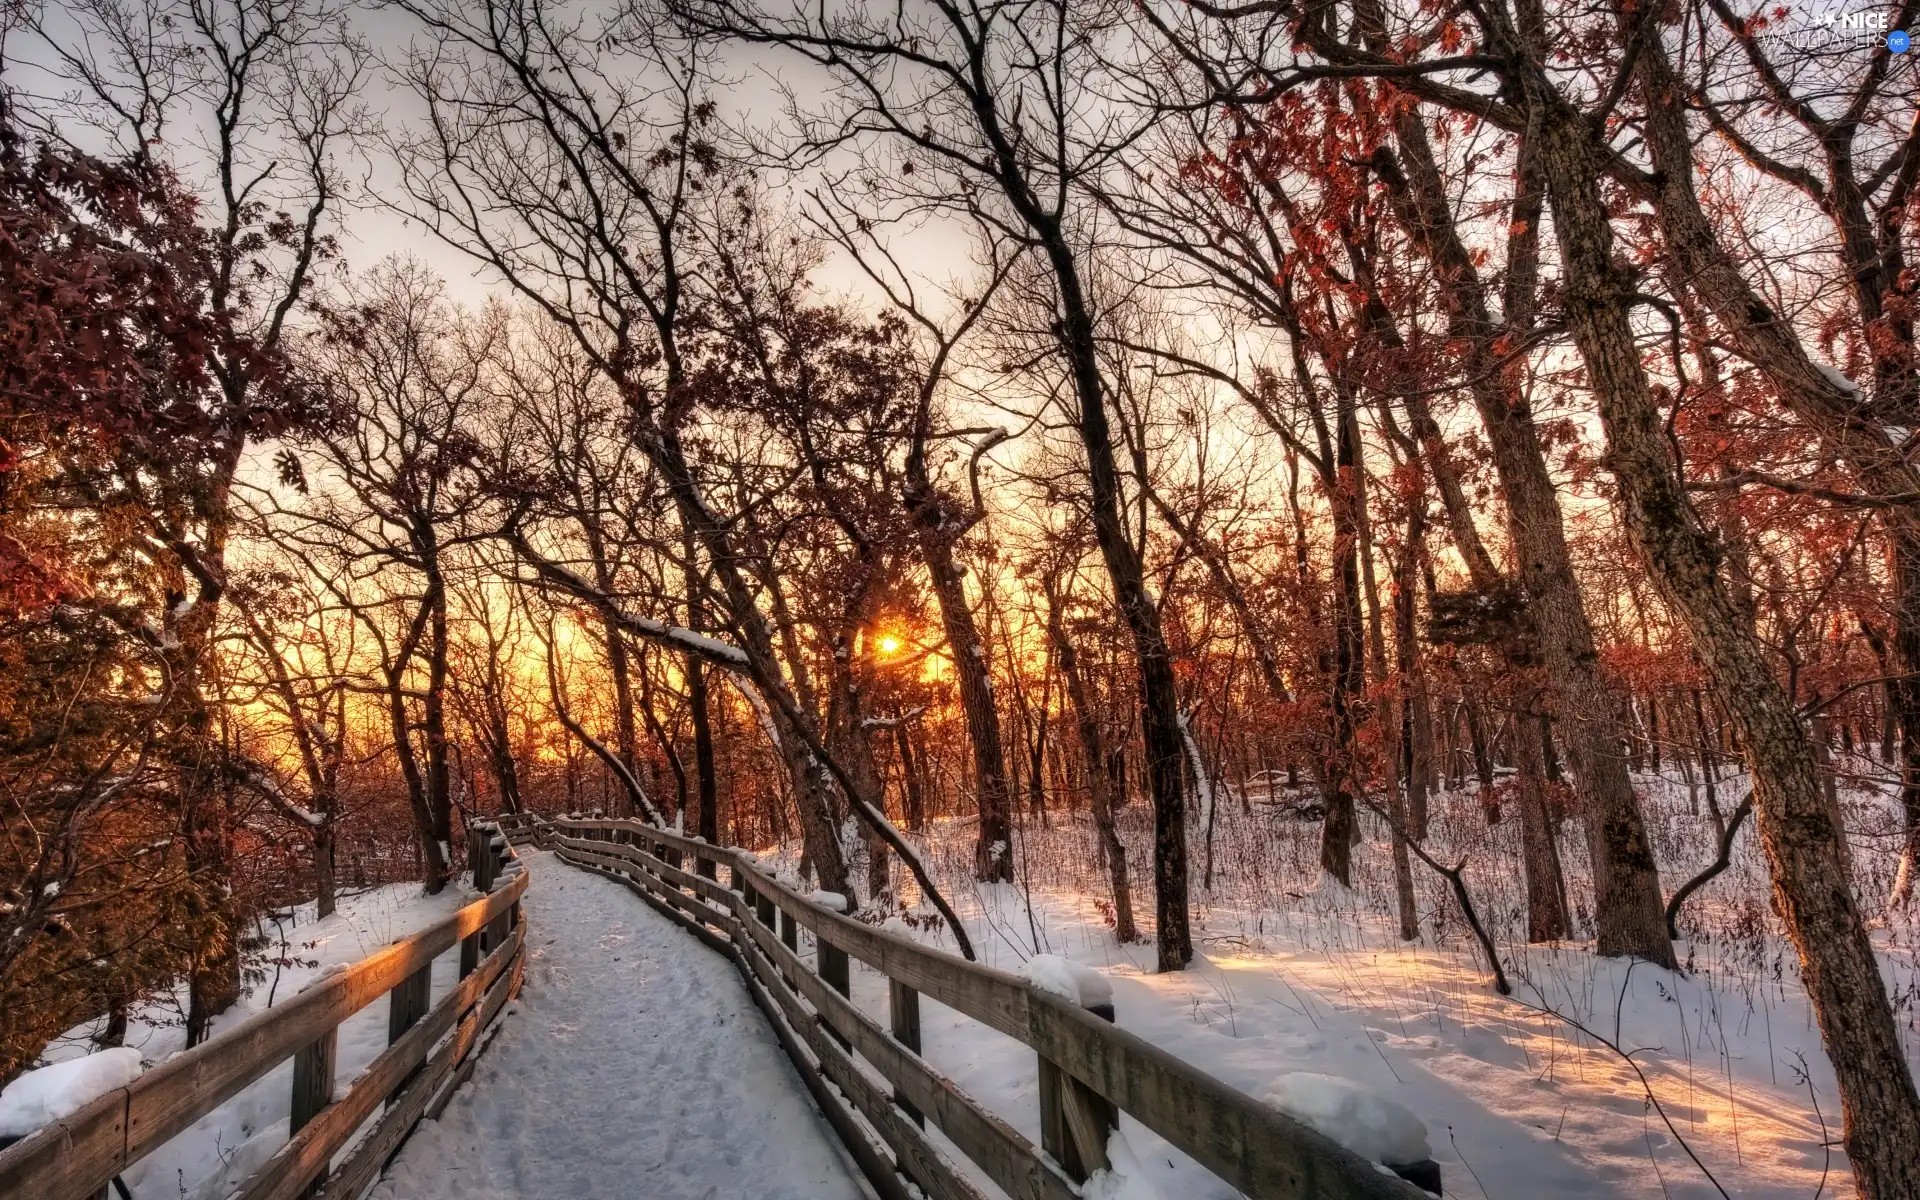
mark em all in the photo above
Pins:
pixel 77 1157
pixel 1089 1071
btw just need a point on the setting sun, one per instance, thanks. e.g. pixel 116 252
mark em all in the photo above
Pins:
pixel 889 644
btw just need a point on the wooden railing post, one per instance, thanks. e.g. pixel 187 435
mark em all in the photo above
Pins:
pixel 763 906
pixel 493 854
pixel 408 1002
pixel 470 952
pixel 495 934
pixel 472 946
pixel 1075 1120
pixel 790 938
pixel 903 1012
pixel 479 857
pixel 832 963
pixel 313 1087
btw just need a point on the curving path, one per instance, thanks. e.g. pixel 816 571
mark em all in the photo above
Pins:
pixel 634 1064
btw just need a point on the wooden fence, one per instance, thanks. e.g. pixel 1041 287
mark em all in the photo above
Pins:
pixel 76 1159
pixel 1089 1070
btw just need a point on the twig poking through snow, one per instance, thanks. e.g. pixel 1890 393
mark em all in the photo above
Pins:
pixel 1719 864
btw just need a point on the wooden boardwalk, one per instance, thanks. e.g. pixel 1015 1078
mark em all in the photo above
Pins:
pixel 634 1064
pixel 641 1065
pixel 1089 1072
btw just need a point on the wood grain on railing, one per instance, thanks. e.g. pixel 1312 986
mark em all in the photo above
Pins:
pixel 1096 1070
pixel 73 1159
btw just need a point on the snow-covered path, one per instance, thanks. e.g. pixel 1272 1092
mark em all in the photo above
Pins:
pixel 635 1064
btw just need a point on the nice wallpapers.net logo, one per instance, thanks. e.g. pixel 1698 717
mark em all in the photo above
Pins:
pixel 1839 29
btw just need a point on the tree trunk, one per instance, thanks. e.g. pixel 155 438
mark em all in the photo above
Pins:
pixel 706 777
pixel 435 867
pixel 1482 764
pixel 707 818
pixel 433 722
pixel 1820 735
pixel 1341 827
pixel 1540 856
pixel 1709 769
pixel 625 739
pixel 1903 706
pixel 848 734
pixel 324 887
pixel 1404 905
pixel 1410 797
pixel 1159 718
pixel 1099 784
pixel 506 773
pixel 912 797
pixel 1426 760
pixel 992 857
pixel 1415 749
pixel 213 979
pixel 1037 768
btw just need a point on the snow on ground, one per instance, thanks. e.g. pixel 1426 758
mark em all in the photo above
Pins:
pixel 221 1149
pixel 634 1063
pixel 1521 1096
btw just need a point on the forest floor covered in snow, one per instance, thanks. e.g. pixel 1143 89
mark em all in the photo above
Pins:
pixel 1598 1077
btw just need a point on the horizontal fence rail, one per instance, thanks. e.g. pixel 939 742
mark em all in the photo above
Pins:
pixel 1089 1070
pixel 430 1052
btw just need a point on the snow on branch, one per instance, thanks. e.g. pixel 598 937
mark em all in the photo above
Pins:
pixel 262 781
pixel 1201 780
pixel 759 705
pixel 699 645
pixel 613 762
pixel 893 722
pixel 735 660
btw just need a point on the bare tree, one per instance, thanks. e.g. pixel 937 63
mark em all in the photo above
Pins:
pixel 264 93
pixel 396 494
pixel 982 113
pixel 598 177
pixel 301 655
